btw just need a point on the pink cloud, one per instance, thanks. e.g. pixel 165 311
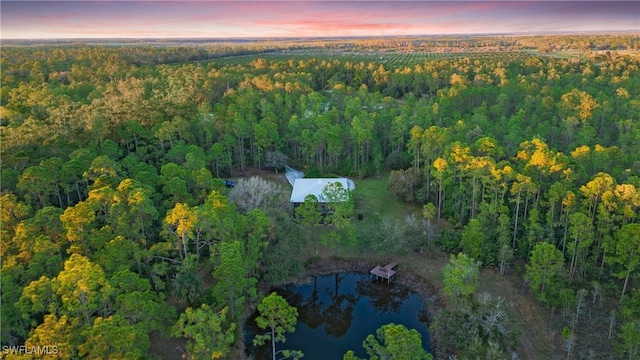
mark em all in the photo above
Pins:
pixel 311 18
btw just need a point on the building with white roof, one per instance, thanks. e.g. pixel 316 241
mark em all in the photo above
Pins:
pixel 303 187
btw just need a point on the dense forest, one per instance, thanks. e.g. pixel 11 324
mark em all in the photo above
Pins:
pixel 522 155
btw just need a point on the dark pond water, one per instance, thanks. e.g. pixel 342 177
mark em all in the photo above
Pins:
pixel 337 312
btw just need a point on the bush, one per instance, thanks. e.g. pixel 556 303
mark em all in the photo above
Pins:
pixel 255 193
pixel 407 184
pixel 449 240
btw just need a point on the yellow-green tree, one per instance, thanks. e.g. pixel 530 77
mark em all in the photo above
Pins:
pixel 209 333
pixel 473 239
pixel 393 341
pixel 277 316
pixel 460 277
pixel 115 338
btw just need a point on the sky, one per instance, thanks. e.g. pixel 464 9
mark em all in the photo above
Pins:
pixel 242 19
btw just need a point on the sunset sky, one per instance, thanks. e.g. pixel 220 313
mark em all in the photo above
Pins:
pixel 209 19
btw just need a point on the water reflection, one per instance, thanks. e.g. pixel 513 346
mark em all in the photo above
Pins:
pixel 336 312
pixel 326 305
pixel 383 296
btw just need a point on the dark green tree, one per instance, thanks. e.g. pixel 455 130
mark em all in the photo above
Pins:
pixel 309 215
pixel 545 265
pixel 627 252
pixel 340 208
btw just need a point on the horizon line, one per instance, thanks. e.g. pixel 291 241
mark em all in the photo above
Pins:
pixel 284 37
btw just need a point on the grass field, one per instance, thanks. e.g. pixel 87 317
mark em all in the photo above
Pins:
pixel 389 59
pixel 580 54
pixel 374 200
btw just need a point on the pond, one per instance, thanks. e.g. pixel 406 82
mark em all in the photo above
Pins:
pixel 336 313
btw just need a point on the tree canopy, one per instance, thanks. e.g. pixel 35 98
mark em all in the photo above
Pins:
pixel 114 158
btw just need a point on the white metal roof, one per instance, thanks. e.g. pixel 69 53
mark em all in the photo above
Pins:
pixel 304 187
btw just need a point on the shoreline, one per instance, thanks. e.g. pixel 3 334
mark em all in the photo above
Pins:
pixel 429 293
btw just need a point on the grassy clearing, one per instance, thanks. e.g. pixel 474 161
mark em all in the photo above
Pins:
pixel 373 204
pixel 374 200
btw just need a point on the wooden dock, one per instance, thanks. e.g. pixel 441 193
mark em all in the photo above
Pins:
pixel 384 272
